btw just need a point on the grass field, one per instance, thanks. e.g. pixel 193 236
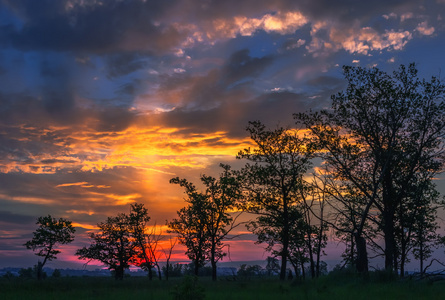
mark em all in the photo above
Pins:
pixel 138 288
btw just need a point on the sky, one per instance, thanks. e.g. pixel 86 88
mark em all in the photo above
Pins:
pixel 102 102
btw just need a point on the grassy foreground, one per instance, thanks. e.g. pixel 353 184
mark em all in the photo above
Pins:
pixel 139 288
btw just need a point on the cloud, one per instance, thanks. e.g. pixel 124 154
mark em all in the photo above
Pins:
pixel 361 40
pixel 98 27
pixel 424 29
pixel 102 102
pixel 121 64
pixel 281 23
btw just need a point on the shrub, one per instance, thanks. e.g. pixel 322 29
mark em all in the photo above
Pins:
pixel 189 289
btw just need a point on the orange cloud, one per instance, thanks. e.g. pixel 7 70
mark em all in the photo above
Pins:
pixel 282 23
pixel 150 149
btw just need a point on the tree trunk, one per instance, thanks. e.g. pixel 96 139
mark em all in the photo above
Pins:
pixel 39 270
pixel 159 272
pixel 119 273
pixel 303 272
pixel 311 255
pixel 285 240
pixel 361 263
pixel 150 274
pixel 213 259
pixel 196 267
pixel 421 256
pixel 388 231
pixel 214 269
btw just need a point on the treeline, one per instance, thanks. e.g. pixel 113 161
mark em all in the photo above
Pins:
pixel 363 168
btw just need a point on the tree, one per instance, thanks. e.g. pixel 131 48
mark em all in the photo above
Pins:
pixel 272 266
pixel 274 186
pixel 416 226
pixel 145 241
pixel 50 233
pixel 378 137
pixel 112 245
pixel 189 227
pixel 169 269
pixel 208 215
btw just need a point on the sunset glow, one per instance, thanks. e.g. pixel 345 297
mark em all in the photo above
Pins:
pixel 103 102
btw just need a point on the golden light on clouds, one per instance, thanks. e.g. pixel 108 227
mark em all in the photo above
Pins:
pixel 151 149
pixel 281 22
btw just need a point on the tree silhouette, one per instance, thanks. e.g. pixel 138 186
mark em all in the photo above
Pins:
pixel 383 137
pixel 273 185
pixel 145 240
pixel 49 234
pixel 112 245
pixel 205 222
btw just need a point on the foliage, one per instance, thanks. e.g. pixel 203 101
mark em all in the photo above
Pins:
pixel 56 273
pixel 49 234
pixel 206 221
pixel 125 240
pixel 272 266
pixel 174 270
pixel 274 187
pixel 249 270
pixel 145 241
pixel 26 273
pixel 189 289
pixel 8 275
pixel 112 245
pixel 384 138
pixel 342 286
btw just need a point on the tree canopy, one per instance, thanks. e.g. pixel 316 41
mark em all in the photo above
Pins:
pixel 49 234
pixel 383 137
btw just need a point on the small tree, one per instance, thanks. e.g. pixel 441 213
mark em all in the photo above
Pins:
pixel 190 229
pixel 49 234
pixel 168 254
pixel 205 222
pixel 145 240
pixel 113 245
pixel 274 186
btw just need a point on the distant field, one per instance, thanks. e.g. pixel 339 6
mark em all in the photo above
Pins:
pixel 137 288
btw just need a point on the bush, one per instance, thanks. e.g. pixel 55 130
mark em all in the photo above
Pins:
pixel 189 289
pixel 8 275
pixel 56 273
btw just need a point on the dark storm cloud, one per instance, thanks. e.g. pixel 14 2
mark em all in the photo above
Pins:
pixel 233 116
pixel 233 81
pixel 114 25
pixel 149 25
pixel 17 219
pixel 115 119
pixel 344 10
pixel 242 66
pixel 55 109
pixel 124 63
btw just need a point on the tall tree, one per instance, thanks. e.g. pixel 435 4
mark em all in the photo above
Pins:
pixel 188 226
pixel 274 185
pixel 378 136
pixel 49 234
pixel 145 240
pixel 206 221
pixel 112 245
